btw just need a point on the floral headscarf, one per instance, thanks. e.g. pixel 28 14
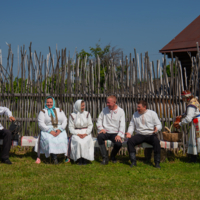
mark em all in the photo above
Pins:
pixel 50 110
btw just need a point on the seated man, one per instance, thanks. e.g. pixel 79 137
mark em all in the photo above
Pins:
pixel 6 136
pixel 145 124
pixel 111 126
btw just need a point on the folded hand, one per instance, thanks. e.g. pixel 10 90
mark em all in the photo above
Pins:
pixel 53 133
pixel 58 131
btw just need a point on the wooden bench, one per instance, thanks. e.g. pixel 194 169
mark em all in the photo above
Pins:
pixel 30 141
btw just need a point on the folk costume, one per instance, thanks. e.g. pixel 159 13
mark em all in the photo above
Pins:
pixel 192 115
pixel 113 122
pixel 143 125
pixel 51 119
pixel 82 149
pixel 6 136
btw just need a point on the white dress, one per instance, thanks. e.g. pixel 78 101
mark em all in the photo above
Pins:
pixel 48 143
pixel 81 148
pixel 193 143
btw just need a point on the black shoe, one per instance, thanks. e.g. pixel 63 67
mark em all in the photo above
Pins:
pixel 157 160
pixel 114 160
pixel 6 161
pixel 84 161
pixel 133 159
pixel 113 154
pixel 104 154
pixel 190 158
pixel 157 165
pixel 193 159
pixel 55 161
pixel 80 161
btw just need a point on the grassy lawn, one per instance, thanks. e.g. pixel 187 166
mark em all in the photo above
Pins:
pixel 27 180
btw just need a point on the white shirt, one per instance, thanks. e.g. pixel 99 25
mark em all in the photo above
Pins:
pixel 192 112
pixel 86 123
pixel 113 121
pixel 7 112
pixel 144 123
pixel 44 120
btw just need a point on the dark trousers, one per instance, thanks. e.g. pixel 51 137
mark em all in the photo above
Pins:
pixel 6 136
pixel 108 136
pixel 138 139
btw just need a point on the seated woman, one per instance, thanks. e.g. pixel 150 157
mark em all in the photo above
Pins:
pixel 80 126
pixel 53 138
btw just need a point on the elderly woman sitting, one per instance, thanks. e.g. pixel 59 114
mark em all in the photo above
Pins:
pixel 53 138
pixel 80 126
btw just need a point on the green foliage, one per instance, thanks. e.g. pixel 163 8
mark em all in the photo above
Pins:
pixel 83 53
pixel 168 70
pixel 99 51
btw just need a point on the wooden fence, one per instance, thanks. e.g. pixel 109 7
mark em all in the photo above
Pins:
pixel 132 78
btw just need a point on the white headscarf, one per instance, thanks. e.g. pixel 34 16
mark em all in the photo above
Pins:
pixel 80 118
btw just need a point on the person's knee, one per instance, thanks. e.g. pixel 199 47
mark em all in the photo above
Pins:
pixel 130 142
pixel 156 141
pixel 118 144
pixel 8 134
pixel 100 136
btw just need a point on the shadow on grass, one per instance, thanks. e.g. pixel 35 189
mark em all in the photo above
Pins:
pixel 170 157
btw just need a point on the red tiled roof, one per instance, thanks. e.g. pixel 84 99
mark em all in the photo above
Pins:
pixel 186 39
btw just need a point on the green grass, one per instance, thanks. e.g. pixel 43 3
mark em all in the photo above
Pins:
pixel 27 180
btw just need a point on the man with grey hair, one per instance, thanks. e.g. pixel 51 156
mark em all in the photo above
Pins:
pixel 111 126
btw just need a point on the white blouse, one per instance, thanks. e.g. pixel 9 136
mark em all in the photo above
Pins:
pixel 112 121
pixel 7 112
pixel 144 123
pixel 86 124
pixel 44 120
pixel 192 112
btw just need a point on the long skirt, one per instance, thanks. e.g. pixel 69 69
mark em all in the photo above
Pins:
pixel 82 148
pixel 194 139
pixel 50 144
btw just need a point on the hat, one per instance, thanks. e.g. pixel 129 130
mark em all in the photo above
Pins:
pixel 185 94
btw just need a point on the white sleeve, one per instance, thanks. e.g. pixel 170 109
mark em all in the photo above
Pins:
pixel 131 127
pixel 190 115
pixel 6 111
pixel 122 126
pixel 100 122
pixel 90 125
pixel 157 122
pixel 41 124
pixel 62 127
pixel 71 126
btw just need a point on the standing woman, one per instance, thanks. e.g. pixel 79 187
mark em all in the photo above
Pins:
pixel 80 126
pixel 192 114
pixel 53 138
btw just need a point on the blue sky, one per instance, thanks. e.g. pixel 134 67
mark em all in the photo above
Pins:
pixel 146 25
